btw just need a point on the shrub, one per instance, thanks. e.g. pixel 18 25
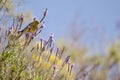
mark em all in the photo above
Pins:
pixel 21 58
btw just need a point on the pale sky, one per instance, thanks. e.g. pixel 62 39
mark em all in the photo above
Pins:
pixel 97 18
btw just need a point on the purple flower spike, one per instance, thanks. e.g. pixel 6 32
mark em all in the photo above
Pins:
pixel 41 39
pixel 69 62
pixel 22 18
pixel 27 35
pixel 20 49
pixel 52 36
pixel 67 59
pixel 57 51
pixel 34 18
pixel 10 28
pixel 72 65
pixel 19 32
pixel 45 13
pixel 54 67
pixel 45 42
pixel 33 35
pixel 42 25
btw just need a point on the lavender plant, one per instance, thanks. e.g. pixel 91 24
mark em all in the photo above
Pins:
pixel 22 57
pixel 21 60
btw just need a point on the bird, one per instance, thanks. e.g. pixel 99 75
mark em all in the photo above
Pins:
pixel 33 26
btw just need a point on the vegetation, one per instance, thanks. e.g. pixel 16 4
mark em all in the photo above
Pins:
pixel 22 57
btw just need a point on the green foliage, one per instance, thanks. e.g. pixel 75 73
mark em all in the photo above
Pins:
pixel 22 58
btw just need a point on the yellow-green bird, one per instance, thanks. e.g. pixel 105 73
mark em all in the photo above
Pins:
pixel 33 26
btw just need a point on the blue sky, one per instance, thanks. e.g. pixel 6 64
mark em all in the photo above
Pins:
pixel 97 19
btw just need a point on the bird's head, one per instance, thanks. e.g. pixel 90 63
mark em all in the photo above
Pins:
pixel 36 22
